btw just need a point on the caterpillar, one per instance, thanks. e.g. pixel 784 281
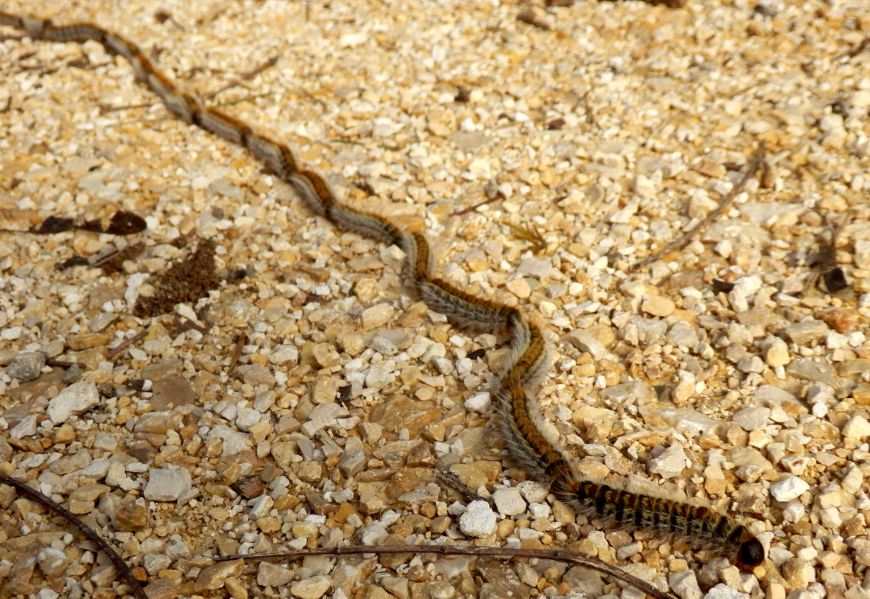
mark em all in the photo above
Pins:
pixel 516 414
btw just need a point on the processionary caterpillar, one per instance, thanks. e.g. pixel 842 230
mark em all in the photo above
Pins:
pixel 517 416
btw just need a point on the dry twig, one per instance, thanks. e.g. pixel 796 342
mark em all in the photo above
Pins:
pixel 121 348
pixel 34 495
pixel 573 557
pixel 245 76
pixel 755 164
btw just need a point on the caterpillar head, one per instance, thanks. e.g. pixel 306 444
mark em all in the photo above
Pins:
pixel 749 555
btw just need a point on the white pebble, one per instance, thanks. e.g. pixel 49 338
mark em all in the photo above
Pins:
pixel 74 400
pixel 788 488
pixel 478 402
pixel 478 520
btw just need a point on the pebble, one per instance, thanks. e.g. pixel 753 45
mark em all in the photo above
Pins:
pixel 776 353
pixel 670 462
pixel 478 521
pixel 807 331
pixel 519 287
pixel 855 431
pixel 853 480
pixel 311 588
pixel 743 292
pixel 684 389
pixel 284 354
pixel 167 484
pixel 377 316
pixel 52 561
pixel 788 488
pixel 750 364
pixel 26 366
pixel 751 419
pixel 74 400
pixel 233 441
pixel 26 427
pixel 275 575
pixel 723 591
pixel 213 577
pixel 798 573
pixel 587 343
pixel 256 374
pixel 478 402
pixel 685 584
pixel 658 305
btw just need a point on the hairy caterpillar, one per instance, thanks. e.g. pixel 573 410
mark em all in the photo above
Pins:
pixel 518 417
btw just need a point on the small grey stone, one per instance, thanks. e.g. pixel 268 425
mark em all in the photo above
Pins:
pixel 284 353
pixel 750 364
pixel 273 575
pixel 683 334
pixel 323 416
pixel 750 419
pixel 261 505
pixel 373 534
pixel 167 484
pixel 772 394
pixel 154 563
pixel 743 291
pixel 509 502
pixel 478 402
pixel 255 374
pixel 644 330
pixel 807 331
pixel 685 584
pixel 670 462
pixel 26 427
pixel 26 366
pixel 74 400
pixel 690 422
pixel 247 417
pixel 816 371
pixel 587 343
pixel 234 441
pixel 723 591
pixel 71 374
pixel 353 460
pixel 634 390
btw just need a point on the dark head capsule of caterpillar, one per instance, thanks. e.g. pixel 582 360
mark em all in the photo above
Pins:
pixel 749 555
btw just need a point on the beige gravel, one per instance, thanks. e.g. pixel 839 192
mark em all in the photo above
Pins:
pixel 309 403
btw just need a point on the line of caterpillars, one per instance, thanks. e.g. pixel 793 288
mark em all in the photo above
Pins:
pixel 517 416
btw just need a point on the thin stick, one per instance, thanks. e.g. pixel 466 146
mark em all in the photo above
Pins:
pixel 116 559
pixel 117 351
pixel 474 207
pixel 574 557
pixel 246 76
pixel 751 169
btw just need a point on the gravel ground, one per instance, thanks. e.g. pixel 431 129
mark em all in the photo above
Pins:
pixel 301 399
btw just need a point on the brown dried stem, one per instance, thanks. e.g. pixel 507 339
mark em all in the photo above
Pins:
pixel 574 557
pixel 752 168
pixel 34 495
